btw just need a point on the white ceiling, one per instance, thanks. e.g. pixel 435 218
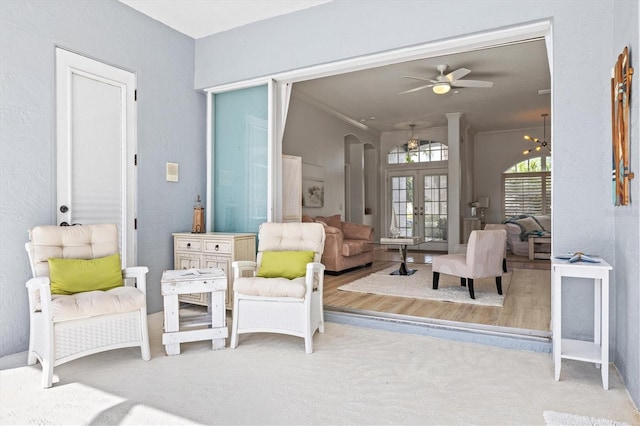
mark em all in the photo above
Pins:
pixel 518 72
pixel 200 18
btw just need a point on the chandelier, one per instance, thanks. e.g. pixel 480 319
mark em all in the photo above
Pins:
pixel 540 143
pixel 413 143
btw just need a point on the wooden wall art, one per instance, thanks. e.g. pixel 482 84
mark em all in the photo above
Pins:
pixel 620 103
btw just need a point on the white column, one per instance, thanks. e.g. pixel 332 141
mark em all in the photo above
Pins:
pixel 356 181
pixel 455 180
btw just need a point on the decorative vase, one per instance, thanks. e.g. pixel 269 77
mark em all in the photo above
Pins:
pixel 473 212
pixel 393 226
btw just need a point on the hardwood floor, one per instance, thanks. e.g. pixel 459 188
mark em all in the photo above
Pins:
pixel 527 305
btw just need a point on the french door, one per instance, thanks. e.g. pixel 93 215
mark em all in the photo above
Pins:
pixel 419 200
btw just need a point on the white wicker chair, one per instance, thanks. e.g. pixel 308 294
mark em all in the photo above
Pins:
pixel 67 327
pixel 280 305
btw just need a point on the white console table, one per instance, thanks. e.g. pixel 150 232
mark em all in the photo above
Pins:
pixel 598 350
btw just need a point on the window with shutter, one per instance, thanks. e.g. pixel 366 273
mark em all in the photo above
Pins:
pixel 527 188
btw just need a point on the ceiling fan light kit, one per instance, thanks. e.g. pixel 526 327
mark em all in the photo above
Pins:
pixel 441 88
pixel 444 82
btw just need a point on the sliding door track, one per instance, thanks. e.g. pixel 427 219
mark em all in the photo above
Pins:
pixel 506 337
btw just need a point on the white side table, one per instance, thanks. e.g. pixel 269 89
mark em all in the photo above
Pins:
pixel 178 282
pixel 598 350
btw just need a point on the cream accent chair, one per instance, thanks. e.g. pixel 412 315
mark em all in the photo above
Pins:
pixel 462 248
pixel 67 327
pixel 483 259
pixel 280 305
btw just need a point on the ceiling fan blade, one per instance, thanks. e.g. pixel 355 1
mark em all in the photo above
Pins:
pixel 415 90
pixel 472 83
pixel 418 78
pixel 457 74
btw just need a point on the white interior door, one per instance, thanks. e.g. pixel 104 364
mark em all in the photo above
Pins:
pixel 95 117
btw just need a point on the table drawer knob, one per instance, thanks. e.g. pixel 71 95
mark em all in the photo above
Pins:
pixel 217 247
pixel 188 245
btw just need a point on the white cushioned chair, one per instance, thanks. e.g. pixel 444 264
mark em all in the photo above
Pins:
pixel 483 259
pixel 64 327
pixel 276 304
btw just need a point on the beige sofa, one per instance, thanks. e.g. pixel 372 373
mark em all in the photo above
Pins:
pixel 519 229
pixel 347 245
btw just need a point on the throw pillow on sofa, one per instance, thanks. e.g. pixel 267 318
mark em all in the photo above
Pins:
pixel 528 226
pixel 334 220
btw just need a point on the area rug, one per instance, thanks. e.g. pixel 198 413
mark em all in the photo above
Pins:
pixel 554 418
pixel 420 286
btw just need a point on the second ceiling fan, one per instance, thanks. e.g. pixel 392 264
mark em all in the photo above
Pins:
pixel 444 82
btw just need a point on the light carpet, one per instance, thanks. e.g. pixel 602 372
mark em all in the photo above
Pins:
pixel 552 418
pixel 420 286
pixel 354 376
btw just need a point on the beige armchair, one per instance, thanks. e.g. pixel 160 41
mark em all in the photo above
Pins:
pixel 483 259
pixel 462 248
pixel 493 227
pixel 68 322
pixel 282 291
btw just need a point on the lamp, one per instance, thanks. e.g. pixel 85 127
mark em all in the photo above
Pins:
pixel 541 144
pixel 413 143
pixel 441 88
pixel 483 204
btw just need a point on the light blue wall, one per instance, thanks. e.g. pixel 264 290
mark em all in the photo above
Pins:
pixel 626 274
pixel 171 127
pixel 583 53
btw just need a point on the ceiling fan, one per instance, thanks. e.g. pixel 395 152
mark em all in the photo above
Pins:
pixel 541 143
pixel 443 83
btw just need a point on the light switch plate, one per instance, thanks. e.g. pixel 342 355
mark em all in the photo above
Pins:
pixel 172 172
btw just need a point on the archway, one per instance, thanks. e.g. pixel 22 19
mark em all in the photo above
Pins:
pixel 360 179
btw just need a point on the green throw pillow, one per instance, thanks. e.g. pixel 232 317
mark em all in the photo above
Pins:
pixel 286 264
pixel 69 276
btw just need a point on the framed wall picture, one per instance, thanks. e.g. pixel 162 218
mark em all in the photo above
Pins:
pixel 312 185
pixel 312 193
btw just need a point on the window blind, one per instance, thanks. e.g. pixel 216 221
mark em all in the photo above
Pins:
pixel 527 193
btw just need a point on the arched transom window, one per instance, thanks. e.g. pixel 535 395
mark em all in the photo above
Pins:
pixel 426 152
